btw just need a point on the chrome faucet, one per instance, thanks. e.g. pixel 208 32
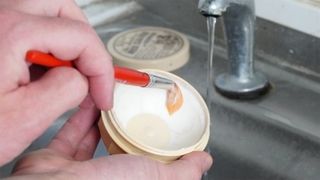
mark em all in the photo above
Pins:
pixel 242 81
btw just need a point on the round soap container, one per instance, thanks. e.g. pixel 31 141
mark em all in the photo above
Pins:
pixel 140 124
pixel 150 47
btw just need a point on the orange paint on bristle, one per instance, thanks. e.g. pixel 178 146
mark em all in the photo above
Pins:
pixel 174 99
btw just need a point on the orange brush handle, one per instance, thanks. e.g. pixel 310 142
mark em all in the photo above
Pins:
pixel 43 59
pixel 130 76
pixel 123 75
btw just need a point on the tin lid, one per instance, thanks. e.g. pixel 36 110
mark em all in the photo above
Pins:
pixel 150 47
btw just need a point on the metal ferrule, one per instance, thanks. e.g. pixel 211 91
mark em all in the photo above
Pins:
pixel 160 82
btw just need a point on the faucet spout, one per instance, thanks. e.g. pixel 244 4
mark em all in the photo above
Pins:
pixel 213 7
pixel 241 81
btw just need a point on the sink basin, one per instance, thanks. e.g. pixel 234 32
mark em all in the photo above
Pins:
pixel 274 137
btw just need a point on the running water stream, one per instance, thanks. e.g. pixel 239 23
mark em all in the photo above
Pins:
pixel 211 25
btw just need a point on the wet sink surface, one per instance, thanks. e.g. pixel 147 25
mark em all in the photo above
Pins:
pixel 274 137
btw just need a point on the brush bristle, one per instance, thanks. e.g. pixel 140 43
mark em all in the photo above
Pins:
pixel 174 100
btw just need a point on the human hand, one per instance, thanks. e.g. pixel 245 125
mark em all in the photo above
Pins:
pixel 69 155
pixel 27 108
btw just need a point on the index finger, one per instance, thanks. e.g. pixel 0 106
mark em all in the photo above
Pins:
pixel 67 39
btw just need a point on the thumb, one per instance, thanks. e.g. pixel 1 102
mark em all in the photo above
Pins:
pixel 191 166
pixel 32 108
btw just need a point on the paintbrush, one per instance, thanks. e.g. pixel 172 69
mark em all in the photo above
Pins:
pixel 123 75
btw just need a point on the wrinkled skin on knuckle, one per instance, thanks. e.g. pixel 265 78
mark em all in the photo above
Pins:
pixel 10 23
pixel 15 32
pixel 76 82
pixel 79 86
pixel 89 33
pixel 16 71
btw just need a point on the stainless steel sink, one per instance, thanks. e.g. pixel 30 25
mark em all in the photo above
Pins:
pixel 274 137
